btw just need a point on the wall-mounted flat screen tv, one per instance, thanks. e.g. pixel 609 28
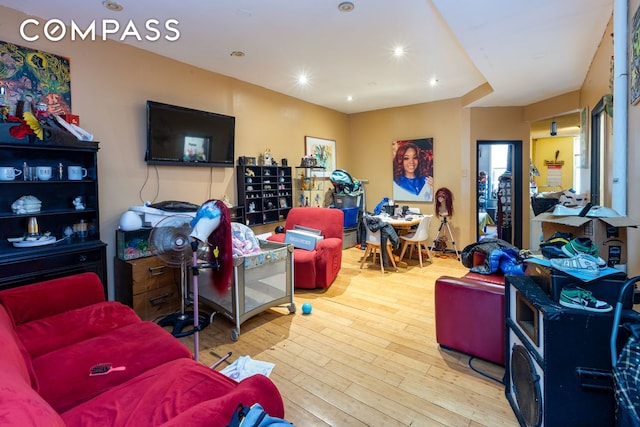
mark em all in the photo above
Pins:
pixel 183 136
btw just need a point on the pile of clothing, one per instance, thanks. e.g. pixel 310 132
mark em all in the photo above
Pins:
pixel 499 257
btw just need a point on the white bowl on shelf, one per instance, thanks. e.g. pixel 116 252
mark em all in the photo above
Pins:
pixel 26 204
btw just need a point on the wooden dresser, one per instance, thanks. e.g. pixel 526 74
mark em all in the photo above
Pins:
pixel 148 285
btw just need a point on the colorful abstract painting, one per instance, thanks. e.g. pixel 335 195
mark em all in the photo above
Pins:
pixel 634 66
pixel 34 76
pixel 324 151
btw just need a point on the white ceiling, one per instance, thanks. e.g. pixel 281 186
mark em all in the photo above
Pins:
pixel 525 50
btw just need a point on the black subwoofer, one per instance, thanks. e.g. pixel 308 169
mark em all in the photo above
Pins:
pixel 526 386
pixel 558 361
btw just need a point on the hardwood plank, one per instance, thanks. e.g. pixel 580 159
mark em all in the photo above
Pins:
pixel 367 354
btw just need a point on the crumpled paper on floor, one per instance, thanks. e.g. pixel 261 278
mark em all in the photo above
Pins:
pixel 244 367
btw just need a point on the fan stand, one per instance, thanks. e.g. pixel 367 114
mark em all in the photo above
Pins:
pixel 171 237
pixel 185 319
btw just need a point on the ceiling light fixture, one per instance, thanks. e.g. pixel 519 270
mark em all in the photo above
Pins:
pixel 303 80
pixel 237 53
pixel 398 51
pixel 112 5
pixel 349 98
pixel 554 128
pixel 433 81
pixel 346 6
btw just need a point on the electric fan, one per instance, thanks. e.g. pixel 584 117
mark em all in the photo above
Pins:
pixel 170 237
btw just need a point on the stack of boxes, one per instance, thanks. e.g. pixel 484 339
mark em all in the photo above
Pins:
pixel 609 234
pixel 350 206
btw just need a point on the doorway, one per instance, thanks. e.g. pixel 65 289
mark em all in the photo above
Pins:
pixel 499 191
pixel 598 150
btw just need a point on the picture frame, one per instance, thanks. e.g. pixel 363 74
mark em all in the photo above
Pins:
pixel 417 187
pixel 250 161
pixel 634 59
pixel 53 71
pixel 324 151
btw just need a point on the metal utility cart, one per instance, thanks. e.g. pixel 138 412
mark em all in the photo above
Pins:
pixel 261 281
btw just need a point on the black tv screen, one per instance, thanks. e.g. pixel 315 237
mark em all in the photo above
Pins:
pixel 186 137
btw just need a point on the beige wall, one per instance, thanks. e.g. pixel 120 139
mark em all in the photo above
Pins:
pixel 111 82
pixel 110 85
pixel 372 134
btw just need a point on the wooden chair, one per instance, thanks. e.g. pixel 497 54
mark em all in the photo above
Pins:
pixel 374 246
pixel 417 240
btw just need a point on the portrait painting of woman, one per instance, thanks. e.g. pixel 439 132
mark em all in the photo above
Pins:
pixel 413 170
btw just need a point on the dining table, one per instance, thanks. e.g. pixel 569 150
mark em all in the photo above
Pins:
pixel 402 225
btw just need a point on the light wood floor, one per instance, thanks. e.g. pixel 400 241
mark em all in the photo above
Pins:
pixel 367 354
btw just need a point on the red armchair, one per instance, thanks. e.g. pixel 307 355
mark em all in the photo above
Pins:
pixel 317 268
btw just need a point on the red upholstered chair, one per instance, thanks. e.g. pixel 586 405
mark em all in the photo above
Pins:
pixel 317 268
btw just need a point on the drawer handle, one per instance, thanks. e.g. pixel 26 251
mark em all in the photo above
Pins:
pixel 157 271
pixel 160 299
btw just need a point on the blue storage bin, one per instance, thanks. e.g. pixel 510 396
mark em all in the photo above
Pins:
pixel 350 216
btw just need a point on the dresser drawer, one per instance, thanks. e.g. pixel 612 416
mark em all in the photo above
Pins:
pixel 157 302
pixel 148 285
pixel 152 273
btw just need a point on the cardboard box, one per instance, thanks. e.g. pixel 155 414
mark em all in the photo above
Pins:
pixel 71 118
pixel 610 234
pixel 302 239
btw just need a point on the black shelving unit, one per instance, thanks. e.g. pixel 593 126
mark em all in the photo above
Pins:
pixel 265 193
pixel 71 253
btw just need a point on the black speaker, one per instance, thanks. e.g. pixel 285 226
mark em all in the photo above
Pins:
pixel 558 364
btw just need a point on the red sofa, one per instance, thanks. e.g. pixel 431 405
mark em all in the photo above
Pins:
pixel 53 332
pixel 317 268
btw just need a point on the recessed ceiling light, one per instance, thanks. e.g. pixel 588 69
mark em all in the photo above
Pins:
pixel 112 5
pixel 433 81
pixel 303 79
pixel 346 6
pixel 237 53
pixel 399 51
pixel 349 98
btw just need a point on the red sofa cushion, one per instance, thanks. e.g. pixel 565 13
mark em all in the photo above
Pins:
pixel 495 279
pixel 27 303
pixel 21 405
pixel 304 273
pixel 329 221
pixel 14 358
pixel 63 374
pixel 48 334
pixel 175 389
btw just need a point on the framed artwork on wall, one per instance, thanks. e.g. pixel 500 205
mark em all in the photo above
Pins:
pixel 634 66
pixel 412 166
pixel 324 151
pixel 34 76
